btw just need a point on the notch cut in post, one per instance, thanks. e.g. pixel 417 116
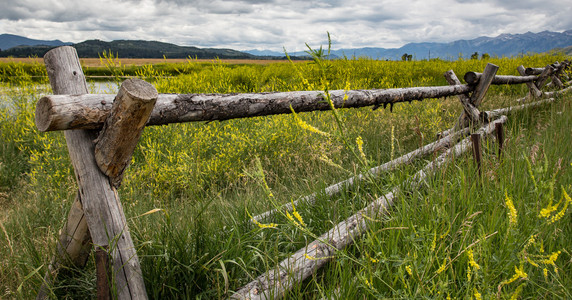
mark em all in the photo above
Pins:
pixel 123 127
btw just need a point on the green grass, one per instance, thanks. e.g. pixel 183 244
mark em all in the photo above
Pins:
pixel 206 180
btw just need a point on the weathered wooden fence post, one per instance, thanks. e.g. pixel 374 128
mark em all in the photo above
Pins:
pixel 470 113
pixel 477 152
pixel 500 137
pixel 101 206
pixel 534 92
pixel 103 273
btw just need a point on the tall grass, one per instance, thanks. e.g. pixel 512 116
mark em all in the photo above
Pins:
pixel 191 189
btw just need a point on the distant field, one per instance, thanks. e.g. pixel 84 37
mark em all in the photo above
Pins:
pixel 96 62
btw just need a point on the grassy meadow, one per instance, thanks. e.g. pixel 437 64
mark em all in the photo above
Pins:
pixel 191 188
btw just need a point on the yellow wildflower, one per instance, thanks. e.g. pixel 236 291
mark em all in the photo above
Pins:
pixel 271 225
pixel 295 216
pixel 551 258
pixel 518 273
pixel 392 141
pixel 307 126
pixel 560 214
pixel 434 242
pixel 516 293
pixel 359 142
pixel 530 261
pixel 472 261
pixel 469 272
pixel 512 214
pixel 443 266
pixel 477 294
pixel 408 269
pixel 373 260
pixel 545 272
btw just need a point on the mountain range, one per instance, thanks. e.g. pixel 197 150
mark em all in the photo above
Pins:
pixel 502 45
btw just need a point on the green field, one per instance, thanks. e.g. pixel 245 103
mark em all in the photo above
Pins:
pixel 191 188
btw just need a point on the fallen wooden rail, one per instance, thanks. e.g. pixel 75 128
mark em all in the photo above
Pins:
pixel 300 265
pixel 64 112
pixel 441 144
pixel 335 189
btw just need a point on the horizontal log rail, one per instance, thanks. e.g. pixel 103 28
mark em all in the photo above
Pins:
pixel 89 111
pixel 474 77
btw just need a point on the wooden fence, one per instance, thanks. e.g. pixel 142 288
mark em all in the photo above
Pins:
pixel 102 132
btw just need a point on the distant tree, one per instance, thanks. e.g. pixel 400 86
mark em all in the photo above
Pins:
pixel 404 57
pixel 485 56
pixel 475 55
pixel 409 57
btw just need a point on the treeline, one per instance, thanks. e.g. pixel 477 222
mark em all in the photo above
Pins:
pixel 134 49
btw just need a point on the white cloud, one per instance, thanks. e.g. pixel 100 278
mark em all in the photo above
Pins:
pixel 272 24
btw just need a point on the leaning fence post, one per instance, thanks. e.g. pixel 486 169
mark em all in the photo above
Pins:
pixel 99 198
pixel 470 111
pixel 74 243
pixel 477 153
pixel 102 273
pixel 484 84
pixel 543 77
pixel 533 90
pixel 500 137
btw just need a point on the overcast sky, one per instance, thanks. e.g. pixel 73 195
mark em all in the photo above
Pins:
pixel 274 24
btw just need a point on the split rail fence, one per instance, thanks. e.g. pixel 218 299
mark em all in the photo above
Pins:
pixel 102 132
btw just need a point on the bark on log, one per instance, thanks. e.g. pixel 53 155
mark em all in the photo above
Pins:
pixel 299 266
pixel 99 198
pixel 90 111
pixel 533 90
pixel 483 85
pixel 335 189
pixel 474 77
pixel 123 127
pixel 533 71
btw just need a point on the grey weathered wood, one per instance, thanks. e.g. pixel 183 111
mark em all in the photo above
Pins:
pixel 474 77
pixel 100 201
pixel 500 137
pixel 477 151
pixel 90 111
pixel 73 248
pixel 306 261
pixel 533 90
pixel 533 71
pixel 335 189
pixel 483 85
pixel 103 273
pixel 123 127
pixel 443 143
pixel 470 112
pixel 543 77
